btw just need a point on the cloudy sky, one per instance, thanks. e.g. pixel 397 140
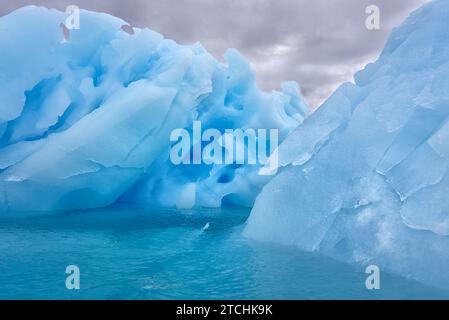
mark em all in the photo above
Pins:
pixel 318 43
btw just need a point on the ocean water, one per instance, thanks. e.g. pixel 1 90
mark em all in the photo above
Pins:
pixel 125 253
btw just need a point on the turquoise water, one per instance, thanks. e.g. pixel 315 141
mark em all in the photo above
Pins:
pixel 166 254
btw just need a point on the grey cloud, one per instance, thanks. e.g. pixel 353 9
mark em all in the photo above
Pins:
pixel 318 43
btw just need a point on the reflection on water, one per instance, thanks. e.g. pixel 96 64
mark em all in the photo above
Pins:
pixel 169 254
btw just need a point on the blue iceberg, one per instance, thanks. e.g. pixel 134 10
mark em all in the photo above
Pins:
pixel 365 178
pixel 86 118
pixel 87 113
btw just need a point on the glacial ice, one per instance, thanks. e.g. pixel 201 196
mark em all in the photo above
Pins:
pixel 365 178
pixel 85 123
pixel 85 118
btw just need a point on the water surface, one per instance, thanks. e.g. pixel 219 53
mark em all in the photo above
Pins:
pixel 169 254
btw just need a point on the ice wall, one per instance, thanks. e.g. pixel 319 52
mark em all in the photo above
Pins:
pixel 365 178
pixel 85 119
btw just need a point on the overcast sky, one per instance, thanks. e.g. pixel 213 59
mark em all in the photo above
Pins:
pixel 318 43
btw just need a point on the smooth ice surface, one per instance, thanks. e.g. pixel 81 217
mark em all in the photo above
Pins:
pixel 365 178
pixel 85 119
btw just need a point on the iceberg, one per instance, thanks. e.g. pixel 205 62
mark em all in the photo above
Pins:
pixel 86 115
pixel 365 178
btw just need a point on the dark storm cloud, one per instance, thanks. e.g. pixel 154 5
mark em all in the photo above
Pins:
pixel 318 43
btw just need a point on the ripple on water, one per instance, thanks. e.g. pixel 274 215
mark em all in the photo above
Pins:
pixel 169 254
